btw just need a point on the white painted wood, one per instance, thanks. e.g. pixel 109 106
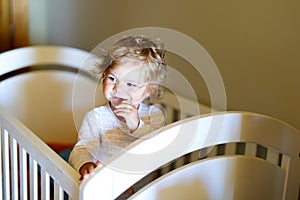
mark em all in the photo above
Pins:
pixel 34 55
pixel 273 156
pixel 45 185
pixel 230 148
pixel 225 177
pixel 14 166
pixel 140 158
pixel 33 171
pixel 197 133
pixel 56 81
pixel 40 154
pixel 251 149
pixel 23 174
pixel 6 164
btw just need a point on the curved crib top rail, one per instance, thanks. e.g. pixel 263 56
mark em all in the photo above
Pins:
pixel 183 137
pixel 44 54
pixel 46 83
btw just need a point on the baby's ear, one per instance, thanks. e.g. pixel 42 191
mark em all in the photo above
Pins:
pixel 152 92
pixel 153 87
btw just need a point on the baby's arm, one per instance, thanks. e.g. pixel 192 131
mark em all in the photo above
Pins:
pixel 81 157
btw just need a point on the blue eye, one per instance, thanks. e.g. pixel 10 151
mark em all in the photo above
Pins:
pixel 112 78
pixel 131 85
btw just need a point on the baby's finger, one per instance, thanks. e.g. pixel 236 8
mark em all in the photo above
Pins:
pixel 121 113
pixel 125 105
pixel 98 163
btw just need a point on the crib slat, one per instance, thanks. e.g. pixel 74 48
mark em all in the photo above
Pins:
pixel 272 156
pixel 194 156
pixel 6 165
pixel 58 192
pixel 230 149
pixel 180 162
pixel 212 151
pixel 45 185
pixel 33 179
pixel 170 115
pixel 32 156
pixel 285 163
pixel 203 153
pixel 14 165
pixel 23 174
pixel 250 149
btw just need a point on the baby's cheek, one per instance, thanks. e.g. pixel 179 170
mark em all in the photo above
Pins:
pixel 137 100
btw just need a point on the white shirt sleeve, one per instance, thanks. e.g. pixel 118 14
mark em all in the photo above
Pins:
pixel 82 151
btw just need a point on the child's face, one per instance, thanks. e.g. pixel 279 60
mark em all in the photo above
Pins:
pixel 125 81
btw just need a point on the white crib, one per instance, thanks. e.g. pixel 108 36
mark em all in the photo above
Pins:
pixel 234 155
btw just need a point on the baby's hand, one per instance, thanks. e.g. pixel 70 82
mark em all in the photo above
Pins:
pixel 130 113
pixel 87 169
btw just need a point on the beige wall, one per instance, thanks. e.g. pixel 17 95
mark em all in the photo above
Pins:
pixel 255 44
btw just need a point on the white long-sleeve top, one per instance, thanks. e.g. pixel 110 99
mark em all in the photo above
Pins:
pixel 101 134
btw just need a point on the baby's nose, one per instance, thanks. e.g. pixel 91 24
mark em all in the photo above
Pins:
pixel 121 92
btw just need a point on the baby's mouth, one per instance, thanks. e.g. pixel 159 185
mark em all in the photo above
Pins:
pixel 116 101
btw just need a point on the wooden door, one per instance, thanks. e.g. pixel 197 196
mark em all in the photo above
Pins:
pixel 13 24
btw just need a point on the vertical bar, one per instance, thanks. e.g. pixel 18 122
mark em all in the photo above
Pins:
pixel 62 193
pixel 23 174
pixel 187 158
pixel 6 166
pixel 250 149
pixel 272 156
pixel 285 165
pixel 165 169
pixel 203 152
pixel 169 112
pixel 230 148
pixel 58 192
pixel 211 151
pixel 195 155
pixel 179 162
pixel 14 166
pixel 33 179
pixel 45 185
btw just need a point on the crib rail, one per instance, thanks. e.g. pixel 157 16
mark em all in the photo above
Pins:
pixel 29 169
pixel 243 136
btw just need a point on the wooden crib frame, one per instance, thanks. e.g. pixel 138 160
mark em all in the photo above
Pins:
pixel 257 157
pixel 30 169
pixel 55 177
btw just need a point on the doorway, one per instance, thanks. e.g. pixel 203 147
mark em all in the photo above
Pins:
pixel 13 24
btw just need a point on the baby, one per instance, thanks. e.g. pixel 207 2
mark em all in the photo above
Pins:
pixel 133 71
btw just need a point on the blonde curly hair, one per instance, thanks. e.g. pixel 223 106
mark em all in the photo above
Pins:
pixel 142 49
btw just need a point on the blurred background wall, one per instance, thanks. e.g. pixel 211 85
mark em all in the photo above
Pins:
pixel 255 44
